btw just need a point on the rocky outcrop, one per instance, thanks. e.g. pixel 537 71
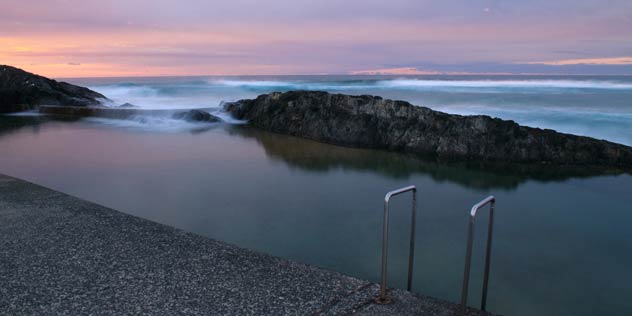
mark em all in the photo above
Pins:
pixel 197 116
pixel 21 90
pixel 372 122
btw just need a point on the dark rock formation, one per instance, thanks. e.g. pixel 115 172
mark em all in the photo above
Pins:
pixel 197 116
pixel 128 105
pixel 372 122
pixel 21 90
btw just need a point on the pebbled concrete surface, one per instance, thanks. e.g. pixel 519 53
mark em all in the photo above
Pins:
pixel 60 255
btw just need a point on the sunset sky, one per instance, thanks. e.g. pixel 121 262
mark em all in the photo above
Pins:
pixel 79 38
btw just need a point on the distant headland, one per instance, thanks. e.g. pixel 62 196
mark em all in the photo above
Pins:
pixel 21 91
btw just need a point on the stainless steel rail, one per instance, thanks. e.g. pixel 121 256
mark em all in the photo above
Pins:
pixel 468 254
pixel 383 298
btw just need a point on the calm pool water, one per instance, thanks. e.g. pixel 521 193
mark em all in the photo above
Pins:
pixel 563 238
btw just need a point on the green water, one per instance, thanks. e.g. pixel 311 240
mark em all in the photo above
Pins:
pixel 563 237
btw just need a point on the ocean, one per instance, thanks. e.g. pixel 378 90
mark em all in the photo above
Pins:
pixel 562 243
pixel 597 106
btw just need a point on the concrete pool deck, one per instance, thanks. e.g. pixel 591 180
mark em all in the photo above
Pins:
pixel 60 255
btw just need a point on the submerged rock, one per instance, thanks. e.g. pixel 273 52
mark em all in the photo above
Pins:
pixel 372 122
pixel 197 116
pixel 21 90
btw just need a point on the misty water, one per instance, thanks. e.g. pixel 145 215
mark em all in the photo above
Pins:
pixel 598 106
pixel 562 244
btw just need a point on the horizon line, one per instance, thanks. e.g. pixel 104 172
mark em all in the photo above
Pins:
pixel 360 75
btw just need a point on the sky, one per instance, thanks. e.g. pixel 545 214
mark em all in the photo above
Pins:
pixel 86 38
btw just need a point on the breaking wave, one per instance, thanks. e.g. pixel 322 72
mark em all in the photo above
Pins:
pixel 425 84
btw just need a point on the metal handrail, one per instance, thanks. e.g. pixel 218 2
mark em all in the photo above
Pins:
pixel 491 200
pixel 383 298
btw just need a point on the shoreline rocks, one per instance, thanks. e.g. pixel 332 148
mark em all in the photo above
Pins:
pixel 197 116
pixel 372 122
pixel 22 91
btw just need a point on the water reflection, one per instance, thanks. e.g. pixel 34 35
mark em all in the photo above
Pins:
pixel 313 156
pixel 318 157
pixel 558 241
pixel 14 123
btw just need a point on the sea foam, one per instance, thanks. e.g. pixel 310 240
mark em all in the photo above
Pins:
pixel 594 106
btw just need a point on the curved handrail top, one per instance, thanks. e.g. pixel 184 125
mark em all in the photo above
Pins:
pixel 390 194
pixel 489 199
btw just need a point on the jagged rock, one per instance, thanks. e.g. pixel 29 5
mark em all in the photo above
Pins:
pixel 372 122
pixel 197 116
pixel 21 90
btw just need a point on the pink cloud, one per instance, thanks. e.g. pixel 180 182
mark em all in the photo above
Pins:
pixel 292 37
pixel 586 61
